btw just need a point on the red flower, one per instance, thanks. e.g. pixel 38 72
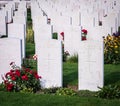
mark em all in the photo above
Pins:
pixel 31 72
pixel 36 75
pixel 17 73
pixel 25 77
pixel 5 82
pixel 13 78
pixel 10 87
pixel 27 70
pixel 84 31
pixel 49 19
pixel 9 73
pixel 62 34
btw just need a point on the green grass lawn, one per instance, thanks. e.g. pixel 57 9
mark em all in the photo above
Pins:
pixel 112 73
pixel 30 49
pixel 19 99
pixel 70 74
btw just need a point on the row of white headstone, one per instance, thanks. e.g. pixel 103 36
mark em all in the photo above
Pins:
pixel 81 14
pixel 90 52
pixel 13 18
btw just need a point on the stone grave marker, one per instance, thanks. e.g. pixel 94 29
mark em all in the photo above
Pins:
pixel 50 63
pixel 10 51
pixel 42 32
pixel 3 20
pixel 91 65
pixel 17 31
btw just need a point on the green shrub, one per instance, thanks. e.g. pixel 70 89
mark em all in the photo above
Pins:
pixel 109 92
pixel 26 90
pixel 66 92
pixel 29 63
pixel 49 90
pixel 2 87
pixel 73 59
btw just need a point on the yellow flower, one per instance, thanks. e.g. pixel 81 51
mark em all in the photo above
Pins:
pixel 116 46
pixel 111 46
pixel 116 52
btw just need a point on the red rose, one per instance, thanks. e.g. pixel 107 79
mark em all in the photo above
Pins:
pixel 13 78
pixel 31 72
pixel 25 77
pixel 10 87
pixel 9 73
pixel 27 70
pixel 36 75
pixel 5 82
pixel 62 34
pixel 84 31
pixel 17 73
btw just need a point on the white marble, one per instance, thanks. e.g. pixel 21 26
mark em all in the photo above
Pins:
pixel 17 31
pixel 50 63
pixel 91 65
pixel 3 20
pixel 10 51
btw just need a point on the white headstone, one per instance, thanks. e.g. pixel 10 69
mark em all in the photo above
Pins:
pixel 91 65
pixel 42 32
pixel 17 31
pixel 9 10
pixel 2 23
pixel 72 37
pixel 10 51
pixel 50 63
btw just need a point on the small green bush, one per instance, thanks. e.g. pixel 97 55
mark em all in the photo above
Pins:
pixel 49 90
pixel 109 92
pixel 30 63
pixel 2 87
pixel 66 92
